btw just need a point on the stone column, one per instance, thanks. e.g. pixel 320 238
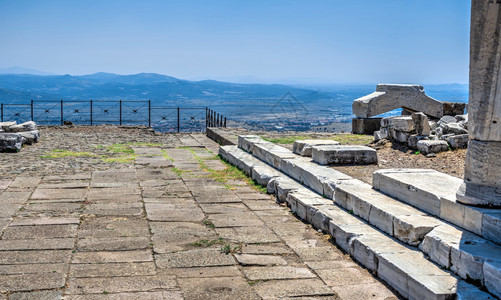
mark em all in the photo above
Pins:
pixel 482 184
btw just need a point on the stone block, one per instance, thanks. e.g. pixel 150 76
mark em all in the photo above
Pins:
pixel 5 125
pixel 421 123
pixel 30 137
pixel 10 141
pixel 458 141
pixel 391 96
pixel 366 248
pixel 386 122
pixel 403 123
pixel 400 136
pixel 415 277
pixel 421 188
pixel 270 153
pixel 414 139
pixel 464 216
pixel 464 253
pixel 283 185
pixel 492 277
pixel 303 147
pixel 365 125
pixel 446 120
pixel 323 215
pixel 378 135
pixel 245 141
pixel 482 174
pixel 311 174
pixel 263 174
pixel 454 128
pixel 491 224
pixel 221 137
pixel 432 146
pixel 460 118
pixel 327 155
pixel 391 216
pixel 453 108
pixel 26 126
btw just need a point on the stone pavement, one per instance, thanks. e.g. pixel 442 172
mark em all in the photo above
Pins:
pixel 168 227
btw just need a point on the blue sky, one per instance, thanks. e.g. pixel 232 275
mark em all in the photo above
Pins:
pixel 291 41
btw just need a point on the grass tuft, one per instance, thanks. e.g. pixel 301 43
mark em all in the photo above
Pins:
pixel 344 139
pixel 58 153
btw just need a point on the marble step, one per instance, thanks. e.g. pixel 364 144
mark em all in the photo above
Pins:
pixel 303 147
pixel 435 193
pixel 403 267
pixel 344 155
pixel 389 215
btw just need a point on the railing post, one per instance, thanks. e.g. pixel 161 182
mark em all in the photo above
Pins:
pixel 206 118
pixel 62 117
pixel 149 113
pixel 178 121
pixel 32 110
pixel 120 112
pixel 90 112
pixel 1 112
pixel 224 125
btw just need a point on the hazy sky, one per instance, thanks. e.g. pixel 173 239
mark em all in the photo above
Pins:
pixel 311 41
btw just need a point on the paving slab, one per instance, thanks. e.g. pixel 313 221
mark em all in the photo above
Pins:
pixel 279 272
pixel 260 260
pixel 20 269
pixel 216 288
pixel 293 288
pixel 34 257
pixel 102 285
pixel 14 197
pixel 248 234
pixel 40 295
pixel 40 232
pixel 59 194
pixel 195 272
pixel 24 182
pixel 102 257
pixel 38 244
pixel 27 282
pixel 194 258
pixel 112 269
pixel 113 244
pixel 44 221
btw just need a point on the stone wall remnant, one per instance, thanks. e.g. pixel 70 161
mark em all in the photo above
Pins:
pixel 388 97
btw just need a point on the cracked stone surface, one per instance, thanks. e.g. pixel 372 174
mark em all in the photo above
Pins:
pixel 161 226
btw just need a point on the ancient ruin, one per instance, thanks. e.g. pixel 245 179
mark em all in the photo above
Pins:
pixel 14 136
pixel 482 185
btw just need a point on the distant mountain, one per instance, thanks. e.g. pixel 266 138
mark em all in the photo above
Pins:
pixel 241 101
pixel 18 97
pixel 20 70
pixel 143 86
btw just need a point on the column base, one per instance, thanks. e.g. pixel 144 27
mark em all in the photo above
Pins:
pixel 479 195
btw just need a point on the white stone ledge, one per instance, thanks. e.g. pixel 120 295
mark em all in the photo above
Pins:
pixel 435 193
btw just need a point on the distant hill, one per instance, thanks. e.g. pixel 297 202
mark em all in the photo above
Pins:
pixel 19 70
pixel 242 101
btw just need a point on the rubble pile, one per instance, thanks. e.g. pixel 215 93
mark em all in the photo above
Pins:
pixel 428 135
pixel 13 136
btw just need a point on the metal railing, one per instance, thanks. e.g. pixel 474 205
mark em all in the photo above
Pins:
pixel 118 112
